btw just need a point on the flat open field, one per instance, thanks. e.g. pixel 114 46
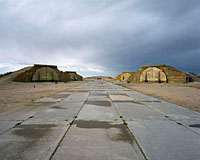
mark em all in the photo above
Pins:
pixel 14 95
pixel 186 95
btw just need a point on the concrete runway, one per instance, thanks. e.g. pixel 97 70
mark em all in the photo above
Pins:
pixel 100 121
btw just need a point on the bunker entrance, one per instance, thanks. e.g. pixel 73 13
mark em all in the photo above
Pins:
pixel 153 74
pixel 45 74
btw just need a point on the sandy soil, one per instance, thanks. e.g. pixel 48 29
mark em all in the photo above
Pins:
pixel 186 95
pixel 14 95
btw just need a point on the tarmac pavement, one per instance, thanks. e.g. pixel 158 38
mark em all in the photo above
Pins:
pixel 100 120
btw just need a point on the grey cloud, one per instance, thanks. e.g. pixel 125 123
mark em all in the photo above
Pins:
pixel 110 36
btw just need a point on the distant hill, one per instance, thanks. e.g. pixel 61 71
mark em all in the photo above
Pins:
pixel 9 76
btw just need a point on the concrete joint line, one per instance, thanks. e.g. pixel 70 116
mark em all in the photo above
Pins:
pixel 151 107
pixel 167 117
pixel 19 123
pixel 70 125
pixel 125 123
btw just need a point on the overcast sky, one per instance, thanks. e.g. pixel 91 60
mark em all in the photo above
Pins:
pixel 100 37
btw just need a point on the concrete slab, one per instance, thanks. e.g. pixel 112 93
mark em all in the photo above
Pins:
pixel 120 97
pixel 65 110
pixel 89 140
pixel 134 111
pixel 38 136
pixel 6 125
pixel 163 139
pixel 11 118
pixel 163 130
pixel 98 94
pixel 159 136
pixel 92 98
pixel 31 141
pixel 49 99
pixel 98 112
pixel 25 112
pixel 98 132
pixel 80 96
pixel 139 96
pixel 188 118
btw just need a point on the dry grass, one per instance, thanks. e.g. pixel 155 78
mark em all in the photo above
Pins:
pixel 14 95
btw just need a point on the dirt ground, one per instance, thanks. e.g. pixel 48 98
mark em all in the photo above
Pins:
pixel 14 95
pixel 186 95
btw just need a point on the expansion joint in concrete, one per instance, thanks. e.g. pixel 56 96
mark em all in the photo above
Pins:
pixel 17 124
pixel 125 123
pixel 167 117
pixel 68 129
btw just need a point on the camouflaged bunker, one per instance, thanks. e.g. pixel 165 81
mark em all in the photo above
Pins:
pixel 42 73
pixel 117 78
pixel 162 73
pixel 157 73
pixel 126 76
pixel 74 76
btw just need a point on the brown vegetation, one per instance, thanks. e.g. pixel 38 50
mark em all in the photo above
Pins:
pixel 15 94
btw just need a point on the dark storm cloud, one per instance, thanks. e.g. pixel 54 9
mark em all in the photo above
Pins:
pixel 100 37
